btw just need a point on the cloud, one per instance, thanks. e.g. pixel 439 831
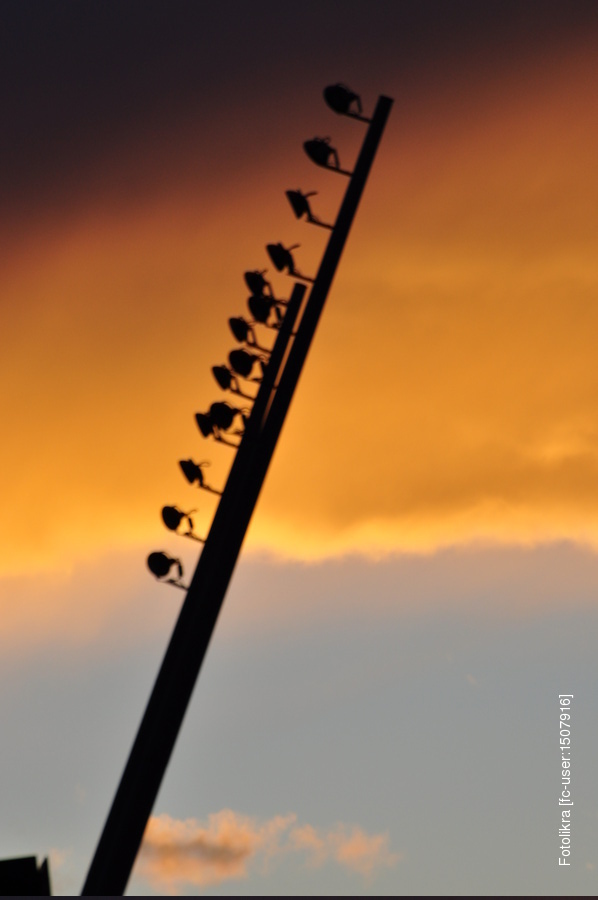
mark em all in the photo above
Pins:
pixel 185 852
pixel 95 603
pixel 177 853
pixel 358 851
pixel 104 605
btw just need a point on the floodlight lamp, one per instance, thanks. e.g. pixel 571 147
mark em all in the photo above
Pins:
pixel 282 257
pixel 172 517
pixel 160 563
pixel 242 362
pixel 260 308
pixel 320 152
pixel 228 381
pixel 222 415
pixel 242 330
pixel 192 471
pixel 343 100
pixel 300 206
pixel 219 418
pixel 194 475
pixel 204 423
pixel 256 282
pixel 300 203
pixel 223 376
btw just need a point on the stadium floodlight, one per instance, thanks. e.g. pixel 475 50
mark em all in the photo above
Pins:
pixel 242 329
pixel 173 517
pixel 301 207
pixel 225 378
pixel 204 423
pixel 223 415
pixel 160 563
pixel 282 259
pixel 256 282
pixel 220 417
pixel 228 381
pixel 242 363
pixel 260 308
pixel 320 152
pixel 343 100
pixel 194 475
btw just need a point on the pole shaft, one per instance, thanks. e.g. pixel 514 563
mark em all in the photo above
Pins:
pixel 132 805
pixel 319 292
pixel 123 832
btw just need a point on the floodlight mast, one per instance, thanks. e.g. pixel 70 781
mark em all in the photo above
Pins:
pixel 123 832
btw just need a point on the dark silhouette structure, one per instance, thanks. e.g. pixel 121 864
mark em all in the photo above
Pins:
pixel 343 100
pixel 301 207
pixel 242 362
pixel 173 517
pixel 243 331
pixel 257 284
pixel 320 152
pixel 283 259
pixel 219 418
pixel 160 564
pixel 151 751
pixel 194 475
pixel 22 877
pixel 260 308
pixel 228 381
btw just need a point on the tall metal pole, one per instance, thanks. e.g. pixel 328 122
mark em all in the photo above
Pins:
pixel 123 832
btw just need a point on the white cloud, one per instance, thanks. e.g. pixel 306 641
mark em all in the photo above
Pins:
pixel 177 853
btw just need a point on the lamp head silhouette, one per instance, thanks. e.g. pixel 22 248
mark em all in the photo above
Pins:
pixel 300 203
pixel 172 517
pixel 194 475
pixel 300 206
pixel 219 418
pixel 320 152
pixel 228 381
pixel 242 362
pixel 282 257
pixel 204 423
pixel 260 308
pixel 223 414
pixel 224 377
pixel 256 282
pixel 340 98
pixel 242 330
pixel 192 470
pixel 160 564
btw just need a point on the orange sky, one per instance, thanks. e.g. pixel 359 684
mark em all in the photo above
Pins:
pixel 451 391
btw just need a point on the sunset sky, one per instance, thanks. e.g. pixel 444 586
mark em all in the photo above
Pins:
pixel 378 710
